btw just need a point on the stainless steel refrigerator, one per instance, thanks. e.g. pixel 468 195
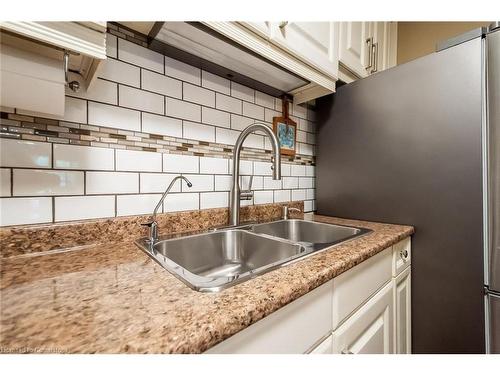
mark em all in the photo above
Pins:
pixel 419 144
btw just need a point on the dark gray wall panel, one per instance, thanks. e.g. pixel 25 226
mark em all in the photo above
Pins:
pixel 404 146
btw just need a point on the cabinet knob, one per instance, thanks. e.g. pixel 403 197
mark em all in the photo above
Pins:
pixel 282 24
pixel 346 351
pixel 403 254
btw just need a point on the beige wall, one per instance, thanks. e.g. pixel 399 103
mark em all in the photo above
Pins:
pixel 416 39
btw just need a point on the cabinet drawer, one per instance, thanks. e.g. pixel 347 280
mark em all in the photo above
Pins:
pixel 355 286
pixel 370 329
pixel 401 256
pixel 295 328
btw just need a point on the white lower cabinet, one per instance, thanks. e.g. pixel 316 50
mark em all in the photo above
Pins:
pixel 325 347
pixel 370 329
pixel 365 310
pixel 402 306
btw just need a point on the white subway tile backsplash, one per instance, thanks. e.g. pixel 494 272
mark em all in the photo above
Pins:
pixel 306 182
pixel 201 182
pixel 162 125
pixel 264 99
pixel 111 183
pixel 301 136
pixel 214 165
pixel 158 182
pixel 216 83
pixel 111 46
pixel 281 196
pixel 101 91
pixel 199 132
pixel 215 117
pixel 31 182
pixel 227 103
pixel 184 110
pixel 298 170
pixel 229 137
pixel 198 95
pixel 137 204
pixel 161 84
pixel 306 149
pixel 16 211
pixel 270 184
pixel 240 122
pixel 17 153
pixel 86 207
pixel 298 195
pixel 242 92
pixel 137 55
pixel 143 161
pixel 262 197
pixel 118 71
pixel 141 92
pixel 141 100
pixel 269 114
pixel 262 168
pixel 290 182
pixel 254 111
pixel 75 110
pixel 214 200
pixel 184 72
pixel 310 194
pixel 114 117
pixel 223 183
pixel 83 157
pixel 286 169
pixel 299 111
pixel 308 206
pixel 5 182
pixel 180 163
pixel 246 167
pixel 181 202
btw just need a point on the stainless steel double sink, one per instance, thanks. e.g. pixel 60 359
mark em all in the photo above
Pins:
pixel 212 261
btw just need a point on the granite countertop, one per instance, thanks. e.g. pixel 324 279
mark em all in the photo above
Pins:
pixel 112 298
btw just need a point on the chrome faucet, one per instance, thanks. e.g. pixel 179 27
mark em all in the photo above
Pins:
pixel 236 194
pixel 153 225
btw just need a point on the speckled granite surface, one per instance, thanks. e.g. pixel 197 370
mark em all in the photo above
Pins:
pixel 114 298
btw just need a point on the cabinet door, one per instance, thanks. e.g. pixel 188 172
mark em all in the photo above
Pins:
pixel 355 47
pixel 370 330
pixel 402 320
pixel 262 29
pixel 315 43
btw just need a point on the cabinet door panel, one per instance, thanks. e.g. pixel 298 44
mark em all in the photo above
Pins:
pixel 354 51
pixel 261 28
pixel 370 329
pixel 402 291
pixel 326 347
pixel 313 42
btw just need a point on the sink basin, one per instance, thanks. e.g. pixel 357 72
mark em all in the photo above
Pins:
pixel 210 262
pixel 217 260
pixel 309 233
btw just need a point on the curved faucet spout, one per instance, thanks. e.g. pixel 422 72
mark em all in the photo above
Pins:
pixel 189 184
pixel 234 204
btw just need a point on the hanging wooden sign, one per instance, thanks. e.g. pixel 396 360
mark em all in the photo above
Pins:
pixel 286 130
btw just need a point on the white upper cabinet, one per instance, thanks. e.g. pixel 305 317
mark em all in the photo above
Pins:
pixel 354 46
pixel 367 47
pixel 315 43
pixel 32 64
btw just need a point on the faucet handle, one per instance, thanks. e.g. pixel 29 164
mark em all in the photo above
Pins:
pixel 247 194
pixel 153 231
